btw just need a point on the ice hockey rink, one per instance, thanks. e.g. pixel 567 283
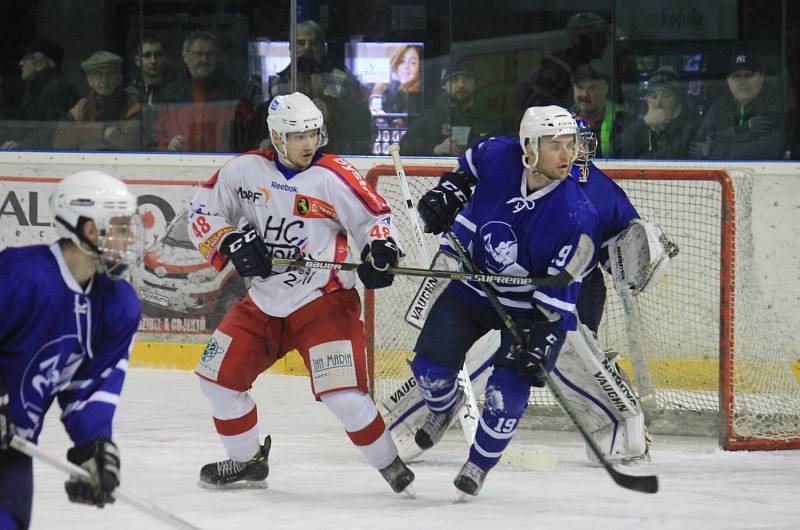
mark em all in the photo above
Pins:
pixel 319 480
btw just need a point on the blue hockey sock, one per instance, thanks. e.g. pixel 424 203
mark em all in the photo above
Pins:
pixel 437 384
pixel 7 521
pixel 507 394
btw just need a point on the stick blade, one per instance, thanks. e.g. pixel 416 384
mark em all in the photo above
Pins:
pixel 643 484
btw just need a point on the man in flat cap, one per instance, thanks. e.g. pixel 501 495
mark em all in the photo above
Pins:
pixel 745 123
pixel 108 118
pixel 606 118
pixel 47 98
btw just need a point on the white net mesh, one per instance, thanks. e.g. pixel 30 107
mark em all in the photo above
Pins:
pixel 679 321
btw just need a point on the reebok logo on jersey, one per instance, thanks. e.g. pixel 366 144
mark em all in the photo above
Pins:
pixel 283 187
pixel 313 208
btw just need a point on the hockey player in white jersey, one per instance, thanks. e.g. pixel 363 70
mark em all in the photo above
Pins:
pixel 289 203
pixel 525 218
pixel 67 327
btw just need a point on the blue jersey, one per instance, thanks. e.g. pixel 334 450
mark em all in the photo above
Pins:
pixel 510 231
pixel 614 209
pixel 60 341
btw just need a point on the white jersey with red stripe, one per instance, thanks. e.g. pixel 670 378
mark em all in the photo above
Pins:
pixel 308 213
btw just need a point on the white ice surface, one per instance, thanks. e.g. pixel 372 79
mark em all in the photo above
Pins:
pixel 318 480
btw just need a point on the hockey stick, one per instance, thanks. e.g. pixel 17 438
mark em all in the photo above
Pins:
pixel 644 484
pixel 144 506
pixel 468 414
pixel 561 280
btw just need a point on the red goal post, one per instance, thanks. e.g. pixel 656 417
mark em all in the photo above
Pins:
pixel 707 378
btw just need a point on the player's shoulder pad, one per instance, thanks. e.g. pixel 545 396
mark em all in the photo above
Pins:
pixel 237 163
pixel 351 179
pixel 25 264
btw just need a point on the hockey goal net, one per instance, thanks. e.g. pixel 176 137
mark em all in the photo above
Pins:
pixel 712 367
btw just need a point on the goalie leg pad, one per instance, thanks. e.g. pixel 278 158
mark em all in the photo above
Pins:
pixel 605 405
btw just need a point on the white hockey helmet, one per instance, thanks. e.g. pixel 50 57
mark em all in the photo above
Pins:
pixel 295 113
pixel 551 120
pixel 105 200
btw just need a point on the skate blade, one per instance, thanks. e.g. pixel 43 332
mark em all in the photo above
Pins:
pixel 410 492
pixel 241 485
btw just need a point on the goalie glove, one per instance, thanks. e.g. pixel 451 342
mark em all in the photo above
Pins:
pixel 248 252
pixel 640 256
pixel 101 459
pixel 378 255
pixel 438 207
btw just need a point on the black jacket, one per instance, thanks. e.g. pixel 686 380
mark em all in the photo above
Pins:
pixel 725 124
pixel 47 99
pixel 640 141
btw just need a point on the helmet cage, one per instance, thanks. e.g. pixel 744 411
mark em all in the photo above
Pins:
pixel 106 201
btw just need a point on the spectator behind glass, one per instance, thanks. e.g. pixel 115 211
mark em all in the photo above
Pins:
pixel 203 110
pixel 745 123
pixel 150 59
pixel 108 118
pixel 668 124
pixel 404 93
pixel 333 89
pixel 453 123
pixel 550 82
pixel 47 98
pixel 605 118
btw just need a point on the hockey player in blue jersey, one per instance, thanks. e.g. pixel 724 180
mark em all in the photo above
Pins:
pixel 525 218
pixel 65 334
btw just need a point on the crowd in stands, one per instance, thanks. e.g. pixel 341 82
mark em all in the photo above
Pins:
pixel 186 101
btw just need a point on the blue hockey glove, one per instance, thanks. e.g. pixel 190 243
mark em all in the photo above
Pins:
pixel 438 207
pixel 6 427
pixel 248 252
pixel 378 255
pixel 101 459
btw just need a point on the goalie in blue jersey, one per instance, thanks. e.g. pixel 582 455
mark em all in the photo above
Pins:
pixel 66 331
pixel 525 217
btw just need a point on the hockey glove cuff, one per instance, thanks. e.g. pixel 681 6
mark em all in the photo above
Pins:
pixel 439 207
pixel 377 257
pixel 101 459
pixel 248 252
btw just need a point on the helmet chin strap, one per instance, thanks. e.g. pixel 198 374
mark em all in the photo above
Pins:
pixel 79 239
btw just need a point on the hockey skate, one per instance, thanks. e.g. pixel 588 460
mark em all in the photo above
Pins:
pixel 469 480
pixel 230 474
pixel 436 423
pixel 399 477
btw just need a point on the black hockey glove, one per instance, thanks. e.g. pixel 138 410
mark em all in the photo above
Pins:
pixel 101 459
pixel 376 258
pixel 6 427
pixel 438 207
pixel 248 252
pixel 543 341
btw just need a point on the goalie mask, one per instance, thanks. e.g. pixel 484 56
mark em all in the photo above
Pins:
pixel 537 122
pixel 295 113
pixel 106 201
pixel 587 147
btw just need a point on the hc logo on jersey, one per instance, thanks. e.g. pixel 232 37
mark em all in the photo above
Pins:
pixel 500 244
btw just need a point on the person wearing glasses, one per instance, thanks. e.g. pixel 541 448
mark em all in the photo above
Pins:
pixel 204 109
